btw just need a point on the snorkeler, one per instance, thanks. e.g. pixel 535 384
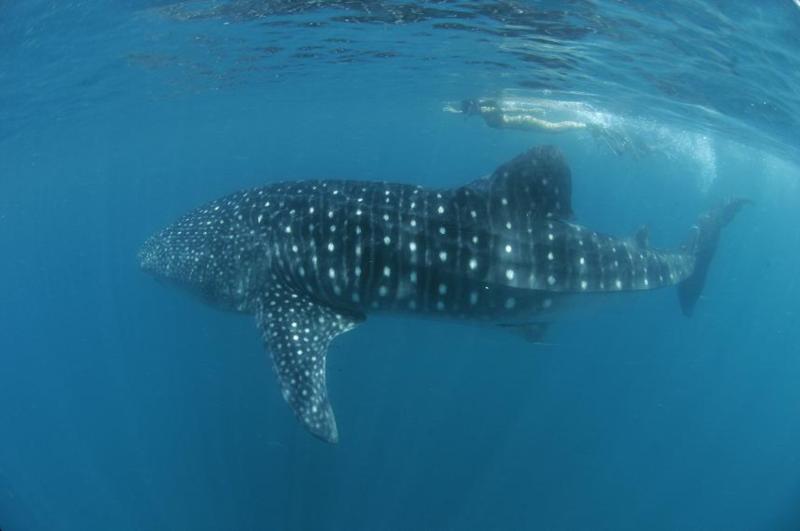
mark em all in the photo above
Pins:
pixel 528 114
pixel 508 117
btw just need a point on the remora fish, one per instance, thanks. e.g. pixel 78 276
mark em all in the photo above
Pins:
pixel 311 259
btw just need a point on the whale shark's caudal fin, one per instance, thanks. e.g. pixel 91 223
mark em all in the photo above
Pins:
pixel 703 245
pixel 297 331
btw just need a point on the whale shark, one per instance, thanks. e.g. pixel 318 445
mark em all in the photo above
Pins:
pixel 312 259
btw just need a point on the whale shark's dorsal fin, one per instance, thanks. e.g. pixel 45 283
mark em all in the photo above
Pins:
pixel 642 237
pixel 538 182
pixel 297 331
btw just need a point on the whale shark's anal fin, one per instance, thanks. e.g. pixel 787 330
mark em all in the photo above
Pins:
pixel 297 332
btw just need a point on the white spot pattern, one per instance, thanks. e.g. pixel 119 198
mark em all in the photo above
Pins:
pixel 376 256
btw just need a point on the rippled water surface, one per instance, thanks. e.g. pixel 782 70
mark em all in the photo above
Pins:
pixel 714 67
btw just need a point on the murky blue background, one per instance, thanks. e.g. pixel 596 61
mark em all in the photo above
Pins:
pixel 125 405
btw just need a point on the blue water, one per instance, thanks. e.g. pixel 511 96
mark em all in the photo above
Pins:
pixel 125 405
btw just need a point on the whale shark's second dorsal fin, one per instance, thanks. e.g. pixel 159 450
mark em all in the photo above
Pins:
pixel 537 183
pixel 297 331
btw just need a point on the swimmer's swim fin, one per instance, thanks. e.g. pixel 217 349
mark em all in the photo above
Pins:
pixel 703 245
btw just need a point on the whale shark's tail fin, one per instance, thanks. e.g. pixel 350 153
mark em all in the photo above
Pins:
pixel 703 245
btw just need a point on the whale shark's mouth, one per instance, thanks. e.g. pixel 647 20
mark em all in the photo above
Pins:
pixel 156 258
pixel 147 257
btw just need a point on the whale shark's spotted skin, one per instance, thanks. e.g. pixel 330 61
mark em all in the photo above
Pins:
pixel 311 259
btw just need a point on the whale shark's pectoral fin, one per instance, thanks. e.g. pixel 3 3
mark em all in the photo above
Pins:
pixel 297 331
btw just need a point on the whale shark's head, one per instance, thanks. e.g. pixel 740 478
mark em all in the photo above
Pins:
pixel 160 257
pixel 169 256
pixel 206 254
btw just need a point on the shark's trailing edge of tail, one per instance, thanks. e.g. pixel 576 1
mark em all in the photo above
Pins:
pixel 703 245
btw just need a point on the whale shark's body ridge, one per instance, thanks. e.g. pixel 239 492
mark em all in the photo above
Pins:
pixel 312 259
